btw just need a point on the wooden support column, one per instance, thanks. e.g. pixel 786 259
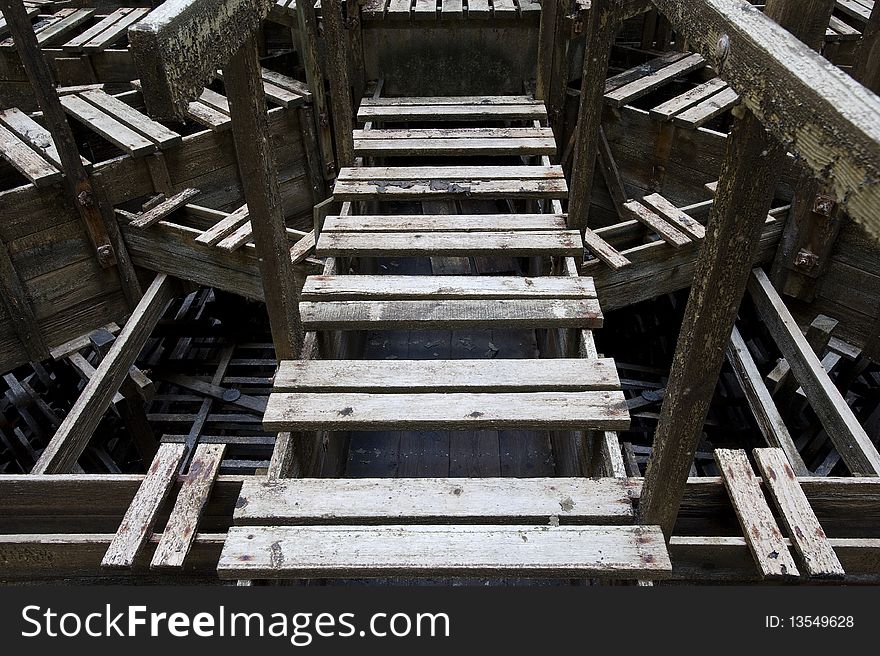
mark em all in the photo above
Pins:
pixel 336 42
pixel 745 192
pixel 558 68
pixel 72 437
pixel 18 306
pixel 250 131
pixel 866 66
pixel 309 49
pixel 109 248
pixel 602 26
pixel 546 41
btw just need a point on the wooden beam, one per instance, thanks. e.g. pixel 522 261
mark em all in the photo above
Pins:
pixel 866 66
pixel 805 19
pixel 336 42
pixel 18 307
pixel 602 25
pixel 178 46
pixel 732 236
pixel 546 40
pixel 259 179
pixel 764 410
pixel 820 113
pixel 842 426
pixel 311 55
pixel 72 437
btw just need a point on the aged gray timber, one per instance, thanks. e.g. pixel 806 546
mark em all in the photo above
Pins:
pixel 336 52
pixel 804 530
pixel 424 500
pixel 842 426
pixel 179 45
pixel 818 111
pixel 72 437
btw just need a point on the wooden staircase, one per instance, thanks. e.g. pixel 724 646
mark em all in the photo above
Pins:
pixel 564 527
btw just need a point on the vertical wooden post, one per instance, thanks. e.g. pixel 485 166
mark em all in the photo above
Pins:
pixel 601 29
pixel 109 248
pixel 336 42
pixel 546 40
pixel 308 27
pixel 745 192
pixel 733 232
pixel 866 67
pixel 250 130
pixel 558 78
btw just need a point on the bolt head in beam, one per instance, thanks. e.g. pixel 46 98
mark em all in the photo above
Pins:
pixel 179 46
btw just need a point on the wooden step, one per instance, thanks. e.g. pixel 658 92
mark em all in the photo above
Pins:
pixel 454 108
pixel 449 182
pixel 467 141
pixel 461 244
pixel 296 411
pixel 349 501
pixel 458 550
pixel 445 223
pixel 539 375
pixel 420 302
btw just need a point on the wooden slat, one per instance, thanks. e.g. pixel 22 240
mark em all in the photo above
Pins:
pixel 446 133
pixel 107 126
pixel 804 530
pixel 842 426
pixel 705 111
pixel 475 146
pixel 453 411
pixel 675 216
pixel 564 375
pixel 763 536
pixel 34 134
pixel 26 160
pixel 208 116
pixel 60 28
pixel 224 227
pixel 504 8
pixel 163 209
pixel 215 100
pixel 285 82
pixel 509 112
pixel 152 130
pixel 77 42
pixel 423 500
pixel 478 9
pixel 564 551
pixel 670 108
pixel 114 32
pixel 354 190
pixel 180 531
pixel 449 100
pixel 642 70
pixel 445 223
pixel 854 9
pixel 669 233
pixel 424 10
pixel 381 173
pixel 237 238
pixel 645 85
pixel 399 9
pixel 142 513
pixel 390 287
pixel 604 251
pixel 530 243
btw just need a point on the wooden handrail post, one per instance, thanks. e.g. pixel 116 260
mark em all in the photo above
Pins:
pixel 340 87
pixel 602 26
pixel 546 40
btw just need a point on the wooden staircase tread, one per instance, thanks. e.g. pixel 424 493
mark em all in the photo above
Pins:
pixel 448 314
pixel 386 173
pixel 433 500
pixel 444 223
pixel 415 147
pixel 519 243
pixel 428 134
pixel 481 101
pixel 454 108
pixel 379 376
pixel 390 287
pixel 296 411
pixel 460 550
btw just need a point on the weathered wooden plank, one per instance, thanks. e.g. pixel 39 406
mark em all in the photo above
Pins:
pixel 180 531
pixel 77 42
pixel 424 500
pixel 208 116
pixel 764 409
pixel 163 209
pixel 843 428
pixel 668 109
pixel 645 85
pixel 108 127
pixel 445 223
pixel 564 551
pixel 427 134
pixel 706 110
pixel 39 170
pixel 288 83
pixel 565 374
pixel 72 437
pixel 442 113
pixel 451 411
pixel 114 32
pixel 128 115
pixel 390 287
pixel 444 313
pixel 604 251
pixel 525 243
pixel 34 134
pixel 355 190
pixel 60 28
pixel 380 173
pixel 675 216
pixel 759 528
pixel 669 233
pixel 237 238
pixel 141 515
pixel 224 227
pixel 642 70
pixel 804 530
pixel 473 146
pixel 179 45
